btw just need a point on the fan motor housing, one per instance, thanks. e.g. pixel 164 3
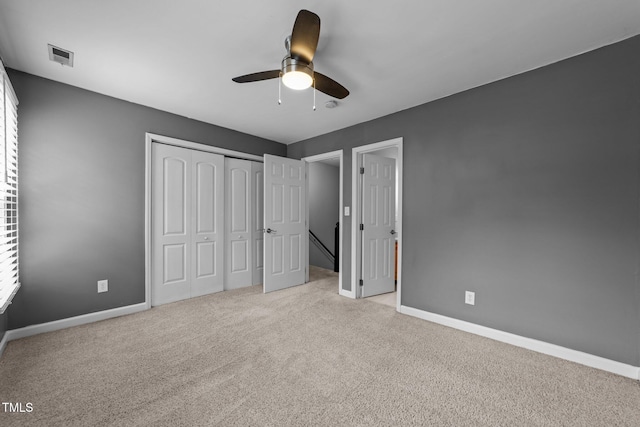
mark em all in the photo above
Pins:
pixel 291 64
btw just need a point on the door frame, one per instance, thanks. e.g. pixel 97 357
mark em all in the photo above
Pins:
pixel 356 201
pixel 151 138
pixel 316 158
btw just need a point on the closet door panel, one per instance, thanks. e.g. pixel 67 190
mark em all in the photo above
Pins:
pixel 238 214
pixel 171 235
pixel 207 222
pixel 257 220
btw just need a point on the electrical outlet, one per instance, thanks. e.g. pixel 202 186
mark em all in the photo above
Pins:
pixel 103 286
pixel 470 298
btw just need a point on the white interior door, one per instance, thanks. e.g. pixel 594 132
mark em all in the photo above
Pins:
pixel 186 218
pixel 239 212
pixel 207 223
pixel 284 222
pixel 170 223
pixel 378 222
pixel 257 220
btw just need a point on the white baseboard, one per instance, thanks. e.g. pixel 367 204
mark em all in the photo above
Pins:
pixel 56 325
pixel 3 343
pixel 528 343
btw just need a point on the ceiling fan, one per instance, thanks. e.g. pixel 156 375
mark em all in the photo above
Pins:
pixel 297 66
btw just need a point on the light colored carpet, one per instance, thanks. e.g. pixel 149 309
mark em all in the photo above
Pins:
pixel 389 299
pixel 299 357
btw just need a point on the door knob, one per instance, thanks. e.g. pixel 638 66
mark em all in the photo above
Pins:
pixel 270 230
pixel 393 232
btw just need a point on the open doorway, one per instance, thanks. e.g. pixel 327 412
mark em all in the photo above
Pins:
pixel 377 232
pixel 324 212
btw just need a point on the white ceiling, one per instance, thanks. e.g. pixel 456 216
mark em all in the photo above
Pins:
pixel 180 56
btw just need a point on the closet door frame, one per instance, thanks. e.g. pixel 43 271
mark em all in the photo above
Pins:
pixel 151 138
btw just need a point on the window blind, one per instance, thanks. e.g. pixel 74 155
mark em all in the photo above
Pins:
pixel 9 279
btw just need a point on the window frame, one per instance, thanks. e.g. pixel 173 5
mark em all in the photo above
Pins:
pixel 9 260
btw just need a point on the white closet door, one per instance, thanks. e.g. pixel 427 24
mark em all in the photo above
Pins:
pixel 207 222
pixel 170 224
pixel 257 220
pixel 187 223
pixel 238 213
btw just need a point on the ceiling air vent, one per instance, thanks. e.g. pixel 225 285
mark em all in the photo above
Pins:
pixel 61 56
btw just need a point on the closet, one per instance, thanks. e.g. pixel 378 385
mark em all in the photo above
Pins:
pixel 206 214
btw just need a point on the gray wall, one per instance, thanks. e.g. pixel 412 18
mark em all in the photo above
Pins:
pixel 82 170
pixel 525 191
pixel 324 208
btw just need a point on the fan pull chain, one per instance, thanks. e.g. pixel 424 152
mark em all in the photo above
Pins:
pixel 279 90
pixel 314 94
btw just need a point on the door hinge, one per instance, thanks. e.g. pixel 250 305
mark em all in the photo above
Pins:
pixel 361 282
pixel 362 171
pixel 361 226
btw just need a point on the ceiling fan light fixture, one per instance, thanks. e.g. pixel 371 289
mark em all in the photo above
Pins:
pixel 296 75
pixel 297 80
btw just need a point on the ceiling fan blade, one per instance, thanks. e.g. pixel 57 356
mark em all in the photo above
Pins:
pixel 305 34
pixel 329 86
pixel 256 77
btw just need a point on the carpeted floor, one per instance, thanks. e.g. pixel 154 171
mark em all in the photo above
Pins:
pixel 299 357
